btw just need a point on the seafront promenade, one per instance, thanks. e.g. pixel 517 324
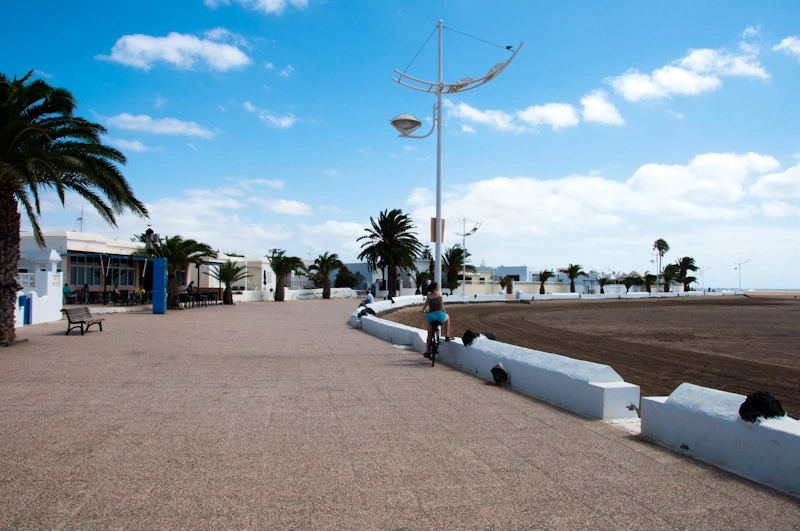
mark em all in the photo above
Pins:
pixel 280 416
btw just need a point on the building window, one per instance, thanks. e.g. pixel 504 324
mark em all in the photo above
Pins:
pixel 85 270
pixel 121 272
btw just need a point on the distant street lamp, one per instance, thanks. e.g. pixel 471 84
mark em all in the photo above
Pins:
pixel 464 254
pixel 407 124
pixel 739 265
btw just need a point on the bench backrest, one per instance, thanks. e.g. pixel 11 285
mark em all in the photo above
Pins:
pixel 78 314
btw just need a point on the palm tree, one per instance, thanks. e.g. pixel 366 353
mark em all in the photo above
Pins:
pixel 632 281
pixel 603 281
pixel 505 281
pixel 574 271
pixel 670 275
pixel 421 279
pixel 649 279
pixel 544 276
pixel 661 247
pixel 685 265
pixel 228 274
pixel 453 260
pixel 179 254
pixel 43 146
pixel 282 265
pixel 324 265
pixel 390 243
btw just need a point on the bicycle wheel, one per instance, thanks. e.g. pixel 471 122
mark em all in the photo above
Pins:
pixel 434 346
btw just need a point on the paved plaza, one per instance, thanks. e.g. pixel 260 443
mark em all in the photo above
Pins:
pixel 281 416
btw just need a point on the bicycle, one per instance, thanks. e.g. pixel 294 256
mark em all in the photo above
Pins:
pixel 435 341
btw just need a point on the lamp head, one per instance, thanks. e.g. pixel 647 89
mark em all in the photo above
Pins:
pixel 405 123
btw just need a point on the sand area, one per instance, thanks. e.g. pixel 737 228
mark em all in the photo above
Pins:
pixel 738 343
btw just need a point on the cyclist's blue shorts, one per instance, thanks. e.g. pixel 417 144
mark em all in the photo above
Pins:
pixel 436 316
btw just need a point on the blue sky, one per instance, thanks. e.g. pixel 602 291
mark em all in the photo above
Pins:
pixel 260 124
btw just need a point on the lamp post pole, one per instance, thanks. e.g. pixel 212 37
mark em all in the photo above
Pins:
pixel 437 272
pixel 407 124
pixel 464 254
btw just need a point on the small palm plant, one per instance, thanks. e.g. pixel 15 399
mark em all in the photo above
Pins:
pixel 649 279
pixel 228 274
pixel 421 279
pixel 179 254
pixel 505 282
pixel 324 265
pixel 604 281
pixel 283 265
pixel 670 275
pixel 544 276
pixel 574 271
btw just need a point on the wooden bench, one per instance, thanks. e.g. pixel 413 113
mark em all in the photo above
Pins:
pixel 80 317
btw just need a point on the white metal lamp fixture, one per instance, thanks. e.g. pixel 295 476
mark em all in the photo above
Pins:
pixel 407 124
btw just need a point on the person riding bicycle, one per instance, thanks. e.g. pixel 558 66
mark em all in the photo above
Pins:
pixel 434 305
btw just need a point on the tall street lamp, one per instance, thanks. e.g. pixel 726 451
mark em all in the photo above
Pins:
pixel 407 124
pixel 464 255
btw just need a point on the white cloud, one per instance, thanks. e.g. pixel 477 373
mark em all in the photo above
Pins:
pixel 751 31
pixel 284 206
pixel 161 126
pixel 723 63
pixel 709 178
pixel 597 108
pixel 283 72
pixel 467 129
pixel 332 173
pixel 181 51
pixel 266 6
pixel 779 209
pixel 189 144
pixel 131 145
pixel 286 72
pixel 789 45
pixel 698 72
pixel 557 115
pixel 279 122
pixel 160 101
pixel 499 120
pixel 253 184
pixel 224 35
pixel 778 185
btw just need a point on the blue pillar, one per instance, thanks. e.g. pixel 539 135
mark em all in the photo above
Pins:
pixel 159 285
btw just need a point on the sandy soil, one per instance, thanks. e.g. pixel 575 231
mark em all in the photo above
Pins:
pixel 739 344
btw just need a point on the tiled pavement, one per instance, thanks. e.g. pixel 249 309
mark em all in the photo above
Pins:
pixel 280 416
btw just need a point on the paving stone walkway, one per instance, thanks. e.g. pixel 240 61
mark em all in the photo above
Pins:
pixel 280 416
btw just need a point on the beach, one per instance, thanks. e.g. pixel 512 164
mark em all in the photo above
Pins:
pixel 737 343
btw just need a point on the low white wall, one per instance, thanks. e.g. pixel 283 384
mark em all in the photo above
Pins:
pixel 304 294
pixel 630 295
pixel 587 388
pixel 46 299
pixel 705 423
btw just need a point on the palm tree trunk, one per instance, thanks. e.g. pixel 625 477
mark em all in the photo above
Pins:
pixel 541 288
pixel 392 280
pixel 326 288
pixel 9 263
pixel 227 295
pixel 279 291
pixel 173 300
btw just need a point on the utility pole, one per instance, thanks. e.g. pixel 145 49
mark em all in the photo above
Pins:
pixel 739 265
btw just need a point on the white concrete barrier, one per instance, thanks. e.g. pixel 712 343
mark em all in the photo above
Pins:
pixel 586 388
pixel 705 423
